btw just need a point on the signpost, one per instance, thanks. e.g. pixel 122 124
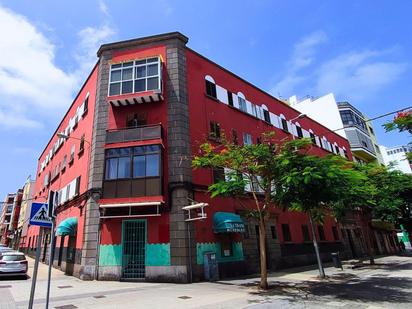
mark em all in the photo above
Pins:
pixel 38 216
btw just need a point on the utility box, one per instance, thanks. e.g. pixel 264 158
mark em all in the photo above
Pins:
pixel 210 266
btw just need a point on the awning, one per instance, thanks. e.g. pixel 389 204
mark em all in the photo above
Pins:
pixel 67 227
pixel 227 222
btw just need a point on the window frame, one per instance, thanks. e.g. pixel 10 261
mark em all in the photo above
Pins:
pixel 286 234
pixel 136 63
pixel 210 88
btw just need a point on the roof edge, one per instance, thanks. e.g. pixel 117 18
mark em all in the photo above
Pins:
pixel 143 40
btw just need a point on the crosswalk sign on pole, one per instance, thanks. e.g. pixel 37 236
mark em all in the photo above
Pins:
pixel 39 215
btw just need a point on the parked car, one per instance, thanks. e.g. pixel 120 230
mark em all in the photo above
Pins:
pixel 13 263
pixel 2 245
pixel 5 249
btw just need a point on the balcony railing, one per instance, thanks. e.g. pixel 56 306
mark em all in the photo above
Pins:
pixel 141 133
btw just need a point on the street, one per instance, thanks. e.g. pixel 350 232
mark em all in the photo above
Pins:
pixel 388 284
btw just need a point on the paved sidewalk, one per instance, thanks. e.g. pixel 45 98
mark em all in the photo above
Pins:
pixel 385 285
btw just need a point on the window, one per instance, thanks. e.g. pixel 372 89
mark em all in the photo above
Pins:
pixel 321 232
pixel 345 153
pixel 284 125
pixel 347 117
pixel 371 130
pixel 258 140
pixel 134 162
pixel 305 232
pixel 286 232
pixel 72 154
pixel 336 149
pixel 266 116
pixel 335 233
pixel 364 144
pixel 67 192
pixel 313 138
pixel 377 149
pixel 273 232
pixel 64 163
pixel 242 104
pixel 299 131
pixel 218 174
pixel 211 89
pixel 135 76
pixel 86 105
pixel 254 110
pixel 234 137
pixel 81 147
pixel 136 120
pixel 247 139
pixel 214 130
pixel 230 98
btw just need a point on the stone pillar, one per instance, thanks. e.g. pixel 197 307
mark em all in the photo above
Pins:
pixel 179 160
pixel 89 258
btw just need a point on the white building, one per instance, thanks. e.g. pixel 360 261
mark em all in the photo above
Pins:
pixel 396 157
pixel 344 119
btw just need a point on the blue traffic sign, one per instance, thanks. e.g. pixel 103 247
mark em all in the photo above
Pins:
pixel 38 215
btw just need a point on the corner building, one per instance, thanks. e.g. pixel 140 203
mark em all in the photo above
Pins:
pixel 133 129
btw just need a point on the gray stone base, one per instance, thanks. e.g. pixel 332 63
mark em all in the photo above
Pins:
pixel 176 274
pixel 110 273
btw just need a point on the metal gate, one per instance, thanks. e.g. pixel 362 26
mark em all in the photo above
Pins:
pixel 134 243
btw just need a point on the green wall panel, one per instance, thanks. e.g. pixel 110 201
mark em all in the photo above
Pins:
pixel 110 255
pixel 157 254
pixel 202 248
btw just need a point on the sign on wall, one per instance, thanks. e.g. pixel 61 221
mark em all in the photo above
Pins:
pixel 39 215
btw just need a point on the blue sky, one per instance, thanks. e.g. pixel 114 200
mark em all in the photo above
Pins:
pixel 360 50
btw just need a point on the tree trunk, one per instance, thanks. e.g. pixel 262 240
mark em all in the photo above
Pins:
pixel 262 249
pixel 315 244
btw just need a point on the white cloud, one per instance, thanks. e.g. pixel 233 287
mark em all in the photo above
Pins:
pixel 302 57
pixel 33 88
pixel 357 75
pixel 103 8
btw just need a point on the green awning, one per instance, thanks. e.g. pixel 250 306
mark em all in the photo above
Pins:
pixel 67 227
pixel 227 222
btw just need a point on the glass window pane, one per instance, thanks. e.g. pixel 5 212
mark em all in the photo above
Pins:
pixel 139 150
pixel 127 74
pixel 115 66
pixel 140 62
pixel 124 168
pixel 152 70
pixel 124 152
pixel 115 76
pixel 152 148
pixel 139 85
pixel 140 72
pixel 152 59
pixel 138 166
pixel 128 64
pixel 152 83
pixel 114 89
pixel 152 165
pixel 111 168
pixel 127 87
pixel 112 153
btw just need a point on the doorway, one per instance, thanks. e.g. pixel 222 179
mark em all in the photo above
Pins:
pixel 134 249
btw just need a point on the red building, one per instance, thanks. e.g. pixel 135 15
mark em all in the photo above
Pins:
pixel 124 172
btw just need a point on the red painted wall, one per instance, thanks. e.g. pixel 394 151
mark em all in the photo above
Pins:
pixel 79 167
pixel 203 109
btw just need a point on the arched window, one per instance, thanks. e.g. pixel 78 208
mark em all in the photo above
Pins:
pixel 266 115
pixel 312 136
pixel 242 101
pixel 210 87
pixel 299 131
pixel 284 123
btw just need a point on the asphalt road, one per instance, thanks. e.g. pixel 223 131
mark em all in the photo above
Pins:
pixel 388 284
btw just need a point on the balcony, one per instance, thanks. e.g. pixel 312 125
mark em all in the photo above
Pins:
pixel 136 98
pixel 141 133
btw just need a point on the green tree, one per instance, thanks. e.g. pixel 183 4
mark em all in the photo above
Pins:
pixel 256 167
pixel 318 187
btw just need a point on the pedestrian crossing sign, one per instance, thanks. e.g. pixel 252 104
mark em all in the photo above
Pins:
pixel 38 215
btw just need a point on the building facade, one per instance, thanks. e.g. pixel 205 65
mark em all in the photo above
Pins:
pixel 121 162
pixel 347 121
pixel 9 217
pixel 395 157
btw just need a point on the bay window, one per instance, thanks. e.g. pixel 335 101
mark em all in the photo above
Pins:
pixel 135 76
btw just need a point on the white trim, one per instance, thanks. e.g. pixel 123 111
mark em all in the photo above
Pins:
pixel 131 204
pixel 210 79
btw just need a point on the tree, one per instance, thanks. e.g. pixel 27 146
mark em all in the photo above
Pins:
pixel 256 167
pixel 403 123
pixel 317 187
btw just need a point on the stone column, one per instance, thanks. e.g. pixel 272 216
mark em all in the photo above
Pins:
pixel 89 258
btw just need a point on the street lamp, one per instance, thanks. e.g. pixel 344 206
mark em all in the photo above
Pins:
pixel 62 135
pixel 300 116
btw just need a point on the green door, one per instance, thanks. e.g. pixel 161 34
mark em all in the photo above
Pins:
pixel 134 245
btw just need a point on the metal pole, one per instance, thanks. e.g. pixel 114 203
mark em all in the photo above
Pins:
pixel 36 267
pixel 315 244
pixel 51 258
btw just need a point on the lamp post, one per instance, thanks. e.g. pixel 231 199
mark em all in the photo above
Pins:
pixel 300 116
